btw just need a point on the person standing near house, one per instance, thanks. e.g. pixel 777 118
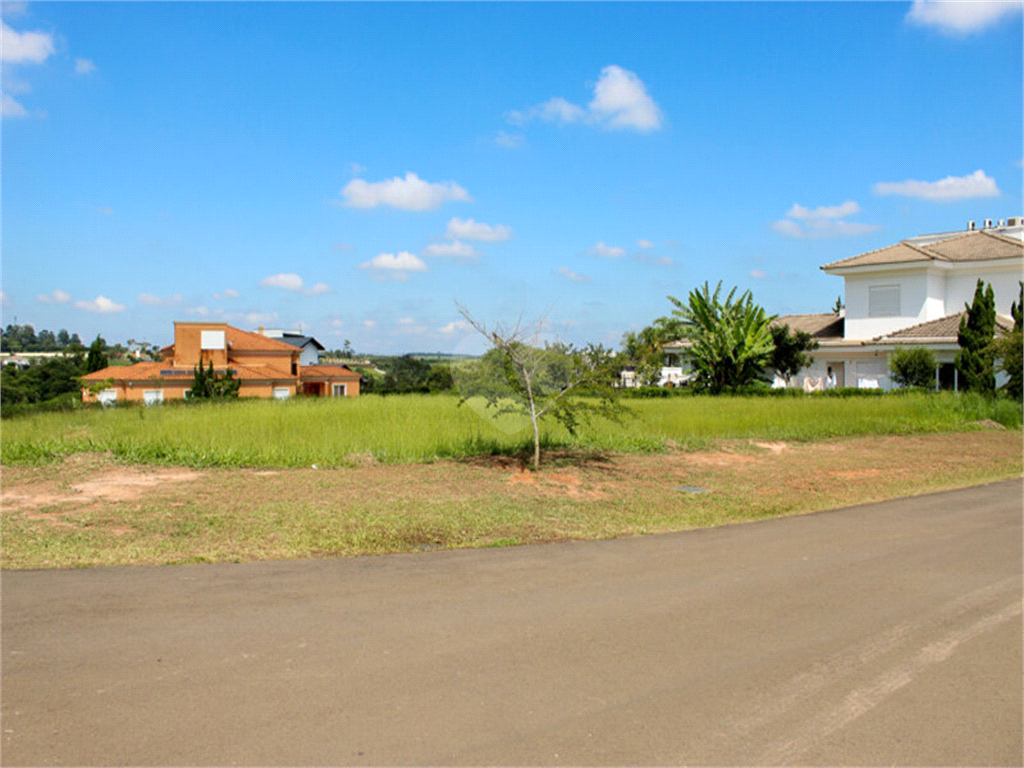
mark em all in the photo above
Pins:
pixel 830 379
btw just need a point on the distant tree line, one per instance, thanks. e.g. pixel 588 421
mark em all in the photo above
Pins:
pixel 406 374
pixel 43 380
pixel 23 338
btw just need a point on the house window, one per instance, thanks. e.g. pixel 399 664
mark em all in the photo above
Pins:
pixel 295 368
pixel 152 396
pixel 212 340
pixel 107 397
pixel 884 301
pixel 282 393
pixel 338 390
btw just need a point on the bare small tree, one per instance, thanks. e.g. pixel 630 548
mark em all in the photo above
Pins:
pixel 543 379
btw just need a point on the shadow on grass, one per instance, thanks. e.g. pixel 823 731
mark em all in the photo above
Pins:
pixel 558 458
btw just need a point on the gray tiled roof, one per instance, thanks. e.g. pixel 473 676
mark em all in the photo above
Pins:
pixel 943 328
pixel 978 245
pixel 300 341
pixel 820 326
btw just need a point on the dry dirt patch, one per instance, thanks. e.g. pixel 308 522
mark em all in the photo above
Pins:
pixel 118 484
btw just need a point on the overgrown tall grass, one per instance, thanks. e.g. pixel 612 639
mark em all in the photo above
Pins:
pixel 416 428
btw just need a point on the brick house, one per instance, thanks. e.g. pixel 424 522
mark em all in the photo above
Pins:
pixel 265 367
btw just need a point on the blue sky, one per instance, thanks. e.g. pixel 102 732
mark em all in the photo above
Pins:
pixel 357 169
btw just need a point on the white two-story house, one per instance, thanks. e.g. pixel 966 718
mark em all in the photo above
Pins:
pixel 912 293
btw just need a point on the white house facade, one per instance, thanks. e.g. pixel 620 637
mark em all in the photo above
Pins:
pixel 912 293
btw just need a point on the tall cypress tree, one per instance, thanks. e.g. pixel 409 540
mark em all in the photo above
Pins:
pixel 974 360
pixel 1017 310
pixel 1009 351
pixel 97 359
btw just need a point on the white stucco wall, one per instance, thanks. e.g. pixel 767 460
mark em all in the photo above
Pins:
pixel 310 355
pixel 960 285
pixel 914 303
pixel 928 293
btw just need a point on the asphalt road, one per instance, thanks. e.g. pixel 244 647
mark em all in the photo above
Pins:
pixel 882 634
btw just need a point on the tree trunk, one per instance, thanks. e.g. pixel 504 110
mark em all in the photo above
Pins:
pixel 536 443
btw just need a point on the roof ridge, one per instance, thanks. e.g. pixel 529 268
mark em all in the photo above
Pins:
pixel 921 249
pixel 273 343
pixel 1000 236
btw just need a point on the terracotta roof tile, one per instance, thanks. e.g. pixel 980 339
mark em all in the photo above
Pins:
pixel 137 372
pixel 327 371
pixel 245 341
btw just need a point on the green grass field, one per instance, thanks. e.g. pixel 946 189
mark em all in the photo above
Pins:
pixel 418 428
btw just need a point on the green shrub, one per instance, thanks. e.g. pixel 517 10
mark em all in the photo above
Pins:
pixel 913 367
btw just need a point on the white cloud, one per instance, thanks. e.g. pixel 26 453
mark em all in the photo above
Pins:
pixel 156 301
pixel 100 304
pixel 84 67
pixel 559 110
pixel 395 266
pixel 454 250
pixel 455 326
pixel 950 188
pixel 57 296
pixel 509 140
pixel 822 228
pixel 409 194
pixel 608 251
pixel 24 47
pixel 13 8
pixel 11 107
pixel 788 228
pixel 960 18
pixel 3 299
pixel 757 274
pixel 472 230
pixel 229 293
pixel 621 101
pixel 356 169
pixel 369 324
pixel 823 212
pixel 645 244
pixel 556 110
pixel 568 274
pixel 823 221
pixel 287 281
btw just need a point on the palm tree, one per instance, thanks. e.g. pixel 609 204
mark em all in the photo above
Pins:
pixel 730 339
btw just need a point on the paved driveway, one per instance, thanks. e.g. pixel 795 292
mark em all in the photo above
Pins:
pixel 887 633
